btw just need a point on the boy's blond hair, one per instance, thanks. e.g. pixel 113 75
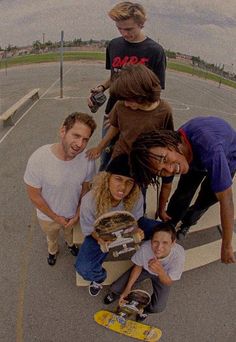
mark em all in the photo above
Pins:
pixel 128 10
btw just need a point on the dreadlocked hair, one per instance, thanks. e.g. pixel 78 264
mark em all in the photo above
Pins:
pixel 141 167
pixel 103 197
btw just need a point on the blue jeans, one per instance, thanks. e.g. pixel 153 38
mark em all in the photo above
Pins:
pixel 89 261
pixel 90 258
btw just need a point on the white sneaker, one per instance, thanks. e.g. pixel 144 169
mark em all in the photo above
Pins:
pixel 94 288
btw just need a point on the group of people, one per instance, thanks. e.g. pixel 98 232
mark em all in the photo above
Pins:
pixel 139 147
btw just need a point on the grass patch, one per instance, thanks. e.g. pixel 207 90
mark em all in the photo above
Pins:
pixel 52 57
pixel 95 55
pixel 189 69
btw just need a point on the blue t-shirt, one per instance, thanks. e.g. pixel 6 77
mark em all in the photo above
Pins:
pixel 213 143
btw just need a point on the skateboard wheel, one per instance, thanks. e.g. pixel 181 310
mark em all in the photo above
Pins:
pixel 137 238
pixel 115 254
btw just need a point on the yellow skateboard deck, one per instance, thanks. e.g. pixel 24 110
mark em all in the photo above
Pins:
pixel 129 328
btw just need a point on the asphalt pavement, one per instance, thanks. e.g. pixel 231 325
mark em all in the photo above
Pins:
pixel 42 303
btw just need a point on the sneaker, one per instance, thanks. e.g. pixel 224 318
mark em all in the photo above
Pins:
pixel 52 258
pixel 110 298
pixel 141 317
pixel 182 232
pixel 94 288
pixel 74 250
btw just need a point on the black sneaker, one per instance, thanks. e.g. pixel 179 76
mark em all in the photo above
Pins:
pixel 141 317
pixel 182 232
pixel 74 250
pixel 94 288
pixel 52 258
pixel 110 298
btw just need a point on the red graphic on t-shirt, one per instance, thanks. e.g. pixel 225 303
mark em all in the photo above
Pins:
pixel 119 62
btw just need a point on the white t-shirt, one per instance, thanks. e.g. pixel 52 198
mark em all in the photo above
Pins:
pixel 88 211
pixel 173 264
pixel 61 181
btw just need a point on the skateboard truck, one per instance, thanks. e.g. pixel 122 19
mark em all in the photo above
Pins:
pixel 118 229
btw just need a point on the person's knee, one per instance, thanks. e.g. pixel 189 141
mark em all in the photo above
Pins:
pixel 156 309
pixel 82 267
pixel 160 308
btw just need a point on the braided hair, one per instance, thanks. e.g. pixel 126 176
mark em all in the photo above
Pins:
pixel 142 170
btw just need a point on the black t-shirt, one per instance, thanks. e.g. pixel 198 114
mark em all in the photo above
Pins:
pixel 119 52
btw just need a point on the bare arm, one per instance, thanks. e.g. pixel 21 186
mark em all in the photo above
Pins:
pixel 227 222
pixel 135 273
pixel 75 219
pixel 39 202
pixel 95 152
pixel 163 199
pixel 105 85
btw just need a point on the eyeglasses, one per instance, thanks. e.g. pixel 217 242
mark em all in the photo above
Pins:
pixel 161 159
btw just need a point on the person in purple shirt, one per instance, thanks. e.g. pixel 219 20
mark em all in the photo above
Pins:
pixel 202 151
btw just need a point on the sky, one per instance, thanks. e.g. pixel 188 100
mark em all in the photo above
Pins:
pixel 205 28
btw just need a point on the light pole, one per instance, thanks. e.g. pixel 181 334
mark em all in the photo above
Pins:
pixel 61 65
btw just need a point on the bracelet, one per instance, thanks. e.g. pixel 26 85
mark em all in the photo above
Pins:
pixel 101 85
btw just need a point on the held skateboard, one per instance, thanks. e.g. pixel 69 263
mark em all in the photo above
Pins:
pixel 122 321
pixel 118 229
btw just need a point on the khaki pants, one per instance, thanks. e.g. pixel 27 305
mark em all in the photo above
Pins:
pixel 51 229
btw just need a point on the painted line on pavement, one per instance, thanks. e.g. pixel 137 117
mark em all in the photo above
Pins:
pixel 205 254
pixel 23 269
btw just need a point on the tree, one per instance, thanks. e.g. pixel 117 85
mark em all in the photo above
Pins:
pixel 196 60
pixel 170 54
pixel 37 45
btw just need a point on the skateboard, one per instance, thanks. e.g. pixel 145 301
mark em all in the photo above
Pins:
pixel 123 320
pixel 118 229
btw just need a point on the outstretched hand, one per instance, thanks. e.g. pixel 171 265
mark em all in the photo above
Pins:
pixel 93 153
pixel 227 255
pixel 164 216
pixel 122 300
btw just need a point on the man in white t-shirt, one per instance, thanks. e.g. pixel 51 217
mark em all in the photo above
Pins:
pixel 161 260
pixel 57 176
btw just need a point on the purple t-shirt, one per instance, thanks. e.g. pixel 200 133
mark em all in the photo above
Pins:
pixel 213 143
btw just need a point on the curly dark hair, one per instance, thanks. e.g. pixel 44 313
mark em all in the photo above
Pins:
pixel 84 118
pixel 140 154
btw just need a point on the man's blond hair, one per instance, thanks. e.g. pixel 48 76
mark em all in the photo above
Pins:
pixel 128 10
